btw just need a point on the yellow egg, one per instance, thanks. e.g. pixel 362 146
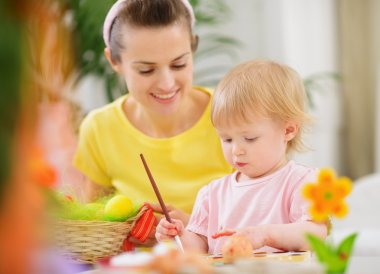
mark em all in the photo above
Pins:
pixel 118 208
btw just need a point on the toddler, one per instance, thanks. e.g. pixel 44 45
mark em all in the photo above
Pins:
pixel 258 112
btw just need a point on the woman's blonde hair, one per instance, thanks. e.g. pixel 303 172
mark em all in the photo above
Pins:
pixel 261 88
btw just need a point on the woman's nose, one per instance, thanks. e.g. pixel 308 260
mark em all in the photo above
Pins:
pixel 166 80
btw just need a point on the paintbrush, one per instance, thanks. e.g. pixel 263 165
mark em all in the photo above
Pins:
pixel 160 200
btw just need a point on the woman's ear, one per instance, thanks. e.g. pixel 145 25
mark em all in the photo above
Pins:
pixel 115 65
pixel 291 130
pixel 194 43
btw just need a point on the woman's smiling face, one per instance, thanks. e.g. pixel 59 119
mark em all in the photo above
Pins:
pixel 157 64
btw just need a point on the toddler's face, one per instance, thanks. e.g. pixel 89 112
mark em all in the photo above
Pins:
pixel 256 148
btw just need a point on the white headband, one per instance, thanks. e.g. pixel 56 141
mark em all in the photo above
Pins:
pixel 113 12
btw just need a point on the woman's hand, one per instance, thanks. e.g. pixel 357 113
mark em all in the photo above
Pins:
pixel 150 241
pixel 174 213
pixel 94 191
pixel 166 230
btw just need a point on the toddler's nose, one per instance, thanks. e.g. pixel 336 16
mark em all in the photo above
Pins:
pixel 237 150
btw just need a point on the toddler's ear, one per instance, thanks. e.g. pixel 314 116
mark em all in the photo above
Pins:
pixel 291 130
pixel 115 65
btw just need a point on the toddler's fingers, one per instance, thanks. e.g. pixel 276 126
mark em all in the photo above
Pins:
pixel 161 237
pixel 166 224
pixel 164 234
pixel 178 225
pixel 223 233
pixel 167 229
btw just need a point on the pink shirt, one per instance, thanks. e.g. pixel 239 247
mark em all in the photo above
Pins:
pixel 274 199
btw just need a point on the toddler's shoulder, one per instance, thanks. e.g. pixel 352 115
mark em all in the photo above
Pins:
pixel 221 181
pixel 303 173
pixel 215 184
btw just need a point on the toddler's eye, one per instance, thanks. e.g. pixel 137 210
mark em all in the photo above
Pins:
pixel 227 140
pixel 251 139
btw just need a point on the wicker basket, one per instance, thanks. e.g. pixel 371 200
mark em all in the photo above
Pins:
pixel 88 241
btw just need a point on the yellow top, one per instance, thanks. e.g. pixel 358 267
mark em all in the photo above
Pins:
pixel 109 154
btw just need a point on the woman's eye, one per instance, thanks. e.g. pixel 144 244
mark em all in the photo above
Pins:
pixel 179 66
pixel 148 71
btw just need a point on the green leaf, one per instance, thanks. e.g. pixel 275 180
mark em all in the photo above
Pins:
pixel 335 260
pixel 345 247
pixel 322 249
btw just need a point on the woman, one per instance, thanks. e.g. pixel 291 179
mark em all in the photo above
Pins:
pixel 151 44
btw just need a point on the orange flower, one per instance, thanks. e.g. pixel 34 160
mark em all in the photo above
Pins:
pixel 327 195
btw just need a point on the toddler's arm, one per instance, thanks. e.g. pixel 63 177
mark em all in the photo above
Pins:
pixel 191 241
pixel 284 236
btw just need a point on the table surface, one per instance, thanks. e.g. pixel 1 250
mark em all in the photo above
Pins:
pixel 358 265
pixel 364 265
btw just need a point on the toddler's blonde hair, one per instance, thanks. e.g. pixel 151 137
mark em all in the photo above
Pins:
pixel 261 88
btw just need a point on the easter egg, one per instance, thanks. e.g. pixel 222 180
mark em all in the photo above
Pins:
pixel 118 208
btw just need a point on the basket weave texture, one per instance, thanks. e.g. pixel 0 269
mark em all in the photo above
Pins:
pixel 88 241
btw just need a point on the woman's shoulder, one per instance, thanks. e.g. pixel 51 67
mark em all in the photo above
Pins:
pixel 201 98
pixel 207 90
pixel 105 113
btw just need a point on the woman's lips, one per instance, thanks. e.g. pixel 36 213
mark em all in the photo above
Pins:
pixel 164 95
pixel 165 98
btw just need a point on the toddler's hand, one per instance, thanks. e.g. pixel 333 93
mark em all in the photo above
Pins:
pixel 223 233
pixel 256 235
pixel 174 213
pixel 166 230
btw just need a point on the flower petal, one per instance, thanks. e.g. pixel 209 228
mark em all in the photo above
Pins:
pixel 326 176
pixel 340 210
pixel 318 213
pixel 309 191
pixel 343 186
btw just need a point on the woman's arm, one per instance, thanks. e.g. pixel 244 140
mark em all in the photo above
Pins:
pixel 94 191
pixel 284 236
